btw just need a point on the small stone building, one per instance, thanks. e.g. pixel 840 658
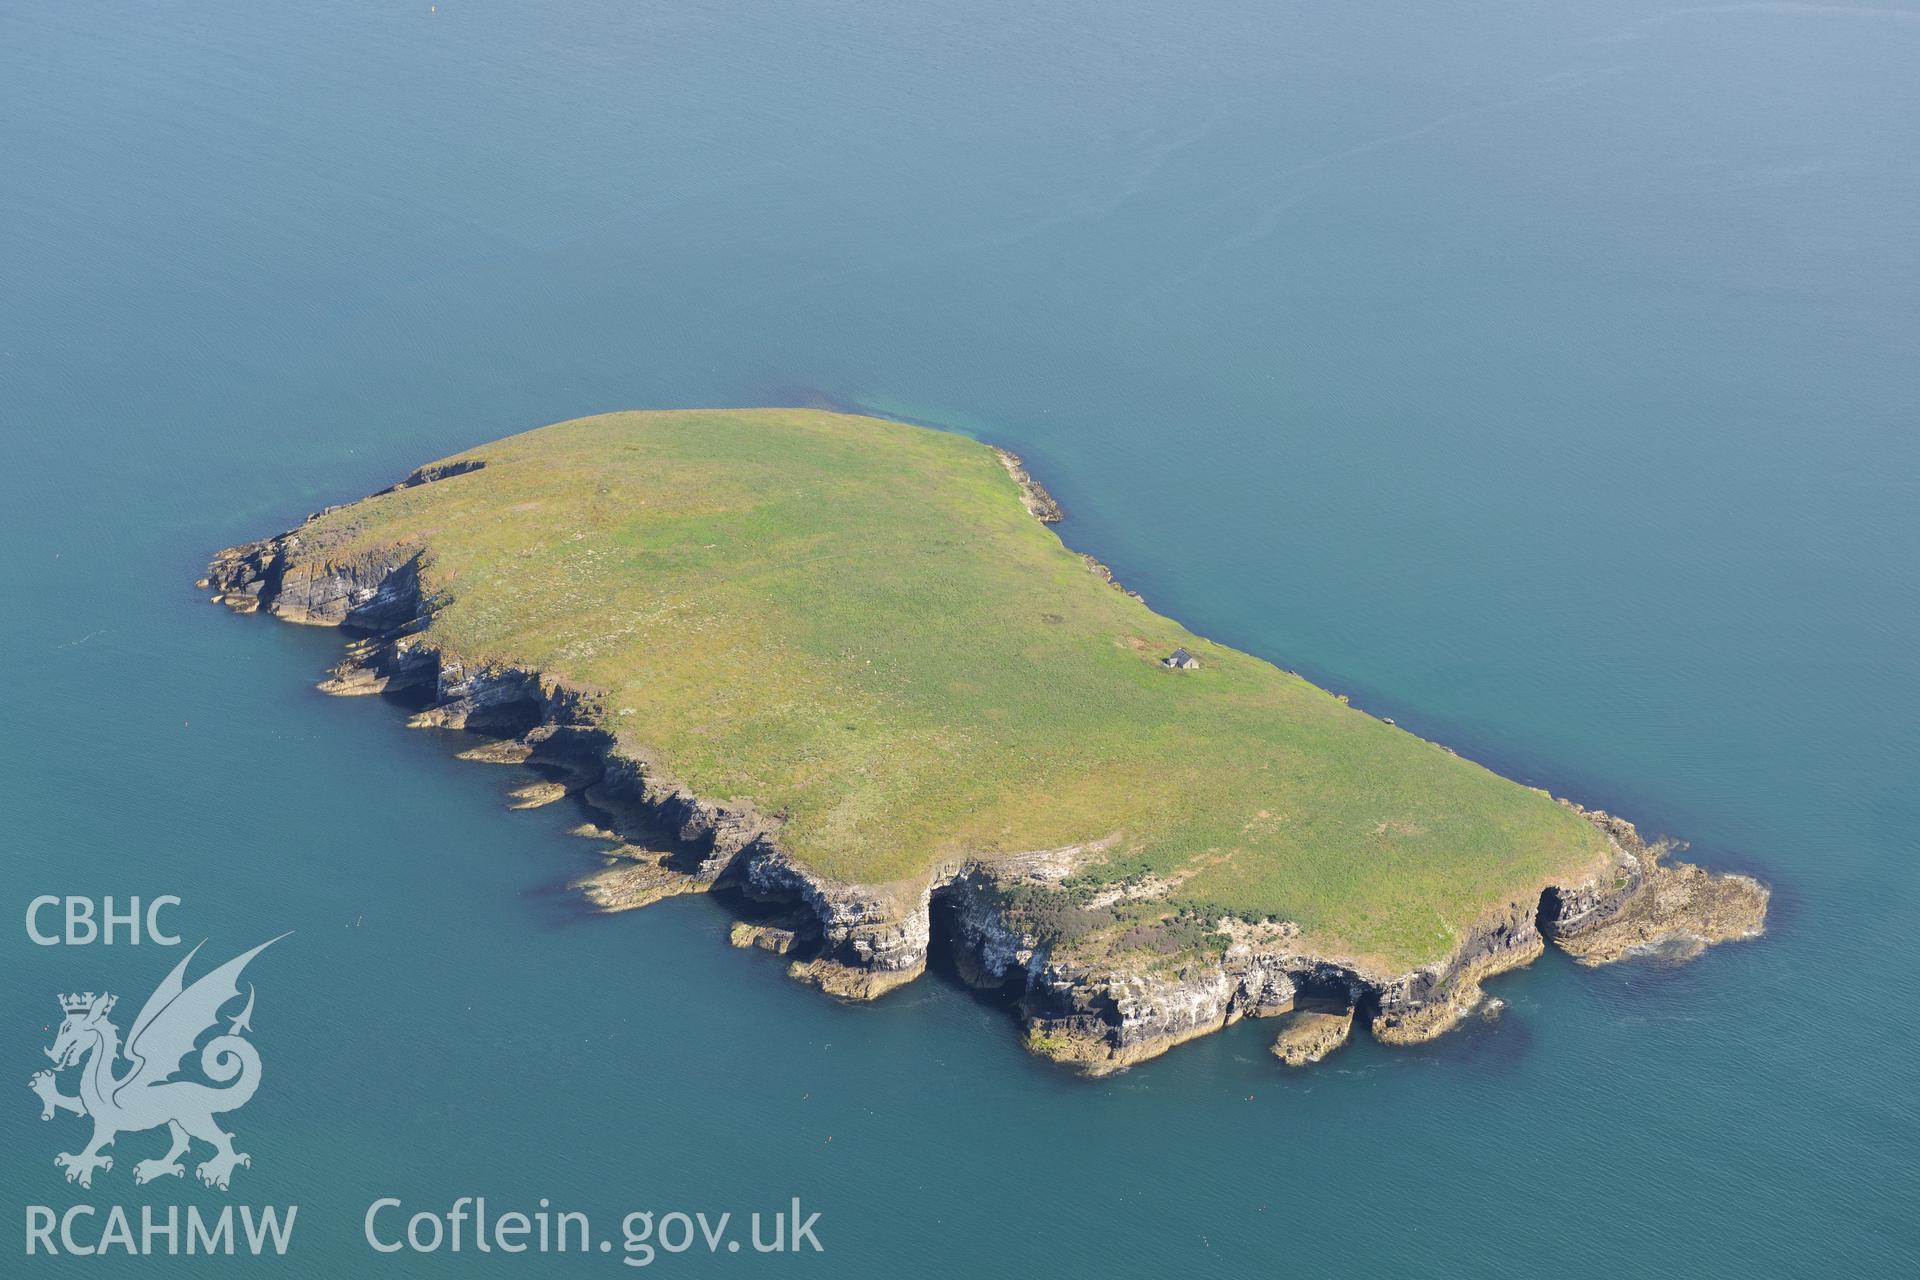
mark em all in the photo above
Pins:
pixel 1180 660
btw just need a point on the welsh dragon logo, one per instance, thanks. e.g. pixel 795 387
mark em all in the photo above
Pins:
pixel 146 1094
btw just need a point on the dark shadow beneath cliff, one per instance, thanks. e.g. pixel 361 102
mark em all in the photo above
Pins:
pixel 748 909
pixel 950 960
pixel 1547 915
pixel 1314 995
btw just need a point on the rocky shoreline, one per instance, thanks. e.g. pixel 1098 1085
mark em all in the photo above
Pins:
pixel 1308 1036
pixel 859 941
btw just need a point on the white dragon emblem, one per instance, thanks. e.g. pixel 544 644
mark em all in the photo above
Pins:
pixel 147 1095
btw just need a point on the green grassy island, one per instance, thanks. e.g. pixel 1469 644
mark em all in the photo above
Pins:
pixel 837 662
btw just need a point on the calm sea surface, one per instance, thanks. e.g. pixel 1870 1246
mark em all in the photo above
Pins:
pixel 1541 375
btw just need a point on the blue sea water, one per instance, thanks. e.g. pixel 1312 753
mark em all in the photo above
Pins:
pixel 1541 375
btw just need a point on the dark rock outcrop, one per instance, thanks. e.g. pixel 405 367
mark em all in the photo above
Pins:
pixel 1039 503
pixel 1308 1036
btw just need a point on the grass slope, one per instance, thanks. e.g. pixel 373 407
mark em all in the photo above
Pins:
pixel 854 623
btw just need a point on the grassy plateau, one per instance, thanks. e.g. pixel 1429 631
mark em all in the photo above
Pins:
pixel 855 624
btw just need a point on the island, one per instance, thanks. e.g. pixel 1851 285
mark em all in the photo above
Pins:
pixel 840 670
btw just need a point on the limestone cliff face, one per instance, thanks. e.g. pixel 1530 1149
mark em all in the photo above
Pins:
pixel 1103 1020
pixel 872 940
pixel 859 941
pixel 373 593
pixel 988 951
pixel 1420 1005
